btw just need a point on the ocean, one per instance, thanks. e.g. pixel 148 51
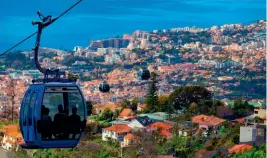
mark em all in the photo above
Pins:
pixel 99 19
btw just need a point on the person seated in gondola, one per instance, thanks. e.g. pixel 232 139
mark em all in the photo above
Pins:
pixel 59 122
pixel 45 123
pixel 65 124
pixel 75 123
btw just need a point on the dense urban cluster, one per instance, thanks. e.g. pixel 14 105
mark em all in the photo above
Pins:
pixel 206 96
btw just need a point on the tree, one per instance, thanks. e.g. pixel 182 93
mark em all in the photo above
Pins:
pixel 89 106
pixel 206 107
pixel 133 104
pixel 235 139
pixel 116 114
pixel 152 99
pixel 182 97
pixel 11 94
pixel 258 119
pixel 107 115
pixel 163 103
pixel 242 108
pixel 125 103
pixel 193 109
pixel 73 76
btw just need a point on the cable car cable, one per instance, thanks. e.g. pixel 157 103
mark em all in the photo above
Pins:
pixel 37 31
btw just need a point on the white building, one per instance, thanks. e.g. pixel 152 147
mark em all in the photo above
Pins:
pixel 115 132
pixel 247 134
pixel 140 122
pixel 253 134
pixel 11 140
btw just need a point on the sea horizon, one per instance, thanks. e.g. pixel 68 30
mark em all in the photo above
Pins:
pixel 96 20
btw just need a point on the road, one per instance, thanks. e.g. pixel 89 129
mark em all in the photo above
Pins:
pixel 5 154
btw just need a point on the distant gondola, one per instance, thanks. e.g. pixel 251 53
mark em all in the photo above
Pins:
pixel 104 87
pixel 143 74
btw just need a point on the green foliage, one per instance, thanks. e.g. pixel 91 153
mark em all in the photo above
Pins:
pixel 255 153
pixel 258 119
pixel 193 108
pixel 242 108
pixel 134 104
pixel 48 55
pixel 182 97
pixel 235 139
pixel 107 115
pixel 152 99
pixel 125 103
pixel 163 104
pixel 130 104
pixel 89 106
pixel 72 76
pixel 17 60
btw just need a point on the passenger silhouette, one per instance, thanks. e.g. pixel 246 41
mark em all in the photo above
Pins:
pixel 75 123
pixel 59 121
pixel 65 124
pixel 42 110
pixel 46 124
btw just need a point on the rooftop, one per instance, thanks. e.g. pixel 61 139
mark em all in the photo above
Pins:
pixel 207 120
pixel 240 148
pixel 126 112
pixel 129 136
pixel 162 125
pixel 119 128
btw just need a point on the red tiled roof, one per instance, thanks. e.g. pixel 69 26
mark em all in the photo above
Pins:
pixel 240 148
pixel 142 106
pixel 162 125
pixel 119 128
pixel 14 134
pixel 129 136
pixel 165 133
pixel 240 120
pixel 207 120
pixel 126 112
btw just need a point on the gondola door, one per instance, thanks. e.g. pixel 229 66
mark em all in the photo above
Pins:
pixel 31 119
pixel 28 116
pixel 25 117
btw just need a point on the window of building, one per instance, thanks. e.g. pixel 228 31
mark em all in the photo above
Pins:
pixel 260 132
pixel 256 112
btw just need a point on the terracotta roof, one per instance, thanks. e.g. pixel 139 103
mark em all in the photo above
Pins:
pixel 119 128
pixel 129 136
pixel 162 125
pixel 126 112
pixel 142 106
pixel 14 134
pixel 10 127
pixel 165 133
pixel 240 148
pixel 207 120
pixel 110 105
pixel 240 120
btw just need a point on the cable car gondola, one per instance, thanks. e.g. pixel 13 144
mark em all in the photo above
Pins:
pixel 143 74
pixel 104 87
pixel 53 111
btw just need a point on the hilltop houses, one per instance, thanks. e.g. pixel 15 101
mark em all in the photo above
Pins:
pixel 115 132
pixel 12 137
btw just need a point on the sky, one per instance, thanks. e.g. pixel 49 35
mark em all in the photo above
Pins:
pixel 99 19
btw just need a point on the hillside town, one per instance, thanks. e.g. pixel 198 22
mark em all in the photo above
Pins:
pixel 206 96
